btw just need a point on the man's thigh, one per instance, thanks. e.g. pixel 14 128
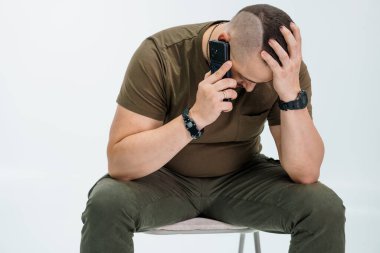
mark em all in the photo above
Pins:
pixel 264 197
pixel 160 198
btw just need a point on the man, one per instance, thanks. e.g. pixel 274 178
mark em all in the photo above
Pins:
pixel 178 149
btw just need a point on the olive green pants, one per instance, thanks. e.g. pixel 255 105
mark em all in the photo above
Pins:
pixel 259 195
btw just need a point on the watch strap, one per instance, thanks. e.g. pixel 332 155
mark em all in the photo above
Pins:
pixel 190 125
pixel 299 103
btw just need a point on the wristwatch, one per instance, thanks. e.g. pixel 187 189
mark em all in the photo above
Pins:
pixel 299 103
pixel 190 125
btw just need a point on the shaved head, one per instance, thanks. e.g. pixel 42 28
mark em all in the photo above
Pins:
pixel 246 34
pixel 252 27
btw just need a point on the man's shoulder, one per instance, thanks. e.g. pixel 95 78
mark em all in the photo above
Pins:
pixel 177 34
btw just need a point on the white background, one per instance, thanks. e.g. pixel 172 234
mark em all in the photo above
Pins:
pixel 61 67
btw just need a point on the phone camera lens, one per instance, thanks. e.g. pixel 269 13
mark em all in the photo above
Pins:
pixel 214 52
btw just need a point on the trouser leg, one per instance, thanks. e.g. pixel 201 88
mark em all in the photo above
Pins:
pixel 116 209
pixel 263 196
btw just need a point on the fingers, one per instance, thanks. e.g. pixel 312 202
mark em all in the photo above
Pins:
pixel 293 40
pixel 226 106
pixel 272 63
pixel 225 84
pixel 296 32
pixel 220 72
pixel 289 38
pixel 222 88
pixel 226 94
pixel 282 54
pixel 297 36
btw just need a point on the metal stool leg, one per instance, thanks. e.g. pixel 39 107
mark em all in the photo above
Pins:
pixel 241 242
pixel 256 239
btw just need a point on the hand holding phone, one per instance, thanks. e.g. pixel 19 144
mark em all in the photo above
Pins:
pixel 209 102
pixel 219 52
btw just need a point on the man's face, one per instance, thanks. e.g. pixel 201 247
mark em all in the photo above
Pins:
pixel 252 71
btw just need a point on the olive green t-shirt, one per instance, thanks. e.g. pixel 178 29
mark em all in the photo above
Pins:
pixel 162 79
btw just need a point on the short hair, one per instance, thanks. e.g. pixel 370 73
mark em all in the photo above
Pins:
pixel 253 26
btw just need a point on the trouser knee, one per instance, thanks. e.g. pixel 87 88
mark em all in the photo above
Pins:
pixel 323 208
pixel 110 202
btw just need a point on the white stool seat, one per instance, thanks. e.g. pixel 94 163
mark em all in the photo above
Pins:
pixel 201 225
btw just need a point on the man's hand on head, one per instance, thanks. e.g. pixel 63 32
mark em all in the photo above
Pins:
pixel 286 77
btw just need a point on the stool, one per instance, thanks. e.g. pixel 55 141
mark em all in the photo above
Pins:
pixel 201 225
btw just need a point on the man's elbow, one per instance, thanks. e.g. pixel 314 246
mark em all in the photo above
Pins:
pixel 118 173
pixel 306 178
pixel 124 169
pixel 115 175
pixel 115 170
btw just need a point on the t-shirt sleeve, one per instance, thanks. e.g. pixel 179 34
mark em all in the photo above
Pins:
pixel 142 90
pixel 305 83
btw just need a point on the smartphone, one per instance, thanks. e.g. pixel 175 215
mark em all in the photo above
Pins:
pixel 219 52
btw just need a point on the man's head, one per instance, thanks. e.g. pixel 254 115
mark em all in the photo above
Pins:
pixel 248 33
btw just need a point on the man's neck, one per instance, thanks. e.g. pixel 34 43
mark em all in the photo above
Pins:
pixel 215 34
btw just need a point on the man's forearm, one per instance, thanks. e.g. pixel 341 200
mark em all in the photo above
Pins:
pixel 302 147
pixel 143 153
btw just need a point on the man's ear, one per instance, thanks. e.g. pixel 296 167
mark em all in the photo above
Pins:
pixel 224 36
